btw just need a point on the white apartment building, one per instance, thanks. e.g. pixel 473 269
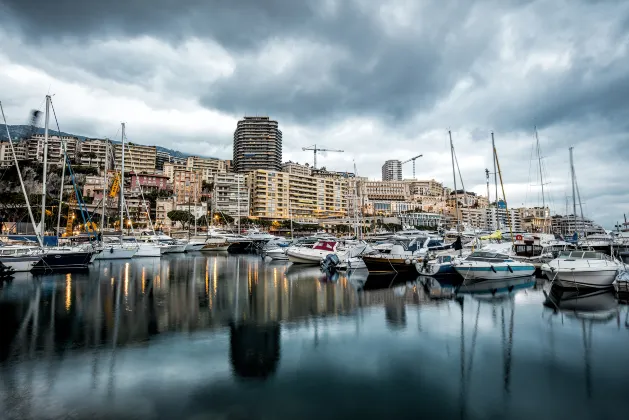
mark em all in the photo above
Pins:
pixel 137 158
pixel 392 170
pixel 231 194
pixel 6 155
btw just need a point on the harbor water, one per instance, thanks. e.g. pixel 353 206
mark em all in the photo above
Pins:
pixel 217 336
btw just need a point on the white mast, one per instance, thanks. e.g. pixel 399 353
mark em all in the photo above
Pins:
pixel 63 175
pixel 574 194
pixel 541 179
pixel 19 175
pixel 195 206
pixel 122 187
pixel 43 198
pixel 102 216
pixel 456 200
pixel 238 200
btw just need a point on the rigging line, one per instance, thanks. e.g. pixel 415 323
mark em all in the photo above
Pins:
pixel 148 211
pixel 79 196
pixel 528 187
pixel 460 177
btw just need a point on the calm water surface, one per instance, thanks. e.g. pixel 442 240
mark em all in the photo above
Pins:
pixel 233 337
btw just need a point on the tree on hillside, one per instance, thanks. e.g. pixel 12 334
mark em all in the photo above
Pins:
pixel 181 216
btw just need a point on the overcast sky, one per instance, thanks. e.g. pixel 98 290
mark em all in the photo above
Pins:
pixel 378 79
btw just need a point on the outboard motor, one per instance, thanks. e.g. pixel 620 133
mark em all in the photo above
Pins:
pixel 329 263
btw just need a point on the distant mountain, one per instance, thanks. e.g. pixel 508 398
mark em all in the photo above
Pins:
pixel 24 131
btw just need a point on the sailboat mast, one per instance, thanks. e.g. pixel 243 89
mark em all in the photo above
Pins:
pixel 43 197
pixel 63 175
pixel 456 199
pixel 195 207
pixel 493 148
pixel 122 185
pixel 238 200
pixel 102 216
pixel 19 175
pixel 574 193
pixel 541 179
pixel 502 185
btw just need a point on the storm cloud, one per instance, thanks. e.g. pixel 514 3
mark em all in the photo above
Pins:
pixel 379 79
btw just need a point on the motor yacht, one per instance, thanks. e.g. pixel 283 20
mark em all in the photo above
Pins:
pixel 488 265
pixel 583 269
pixel 314 255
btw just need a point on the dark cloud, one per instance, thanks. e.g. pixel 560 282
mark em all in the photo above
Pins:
pixel 405 68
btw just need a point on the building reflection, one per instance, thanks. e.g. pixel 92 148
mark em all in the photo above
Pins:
pixel 254 349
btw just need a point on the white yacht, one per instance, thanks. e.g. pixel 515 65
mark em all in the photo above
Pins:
pixel 115 250
pixel 314 255
pixel 492 266
pixel 583 269
pixel 19 257
pixel 194 245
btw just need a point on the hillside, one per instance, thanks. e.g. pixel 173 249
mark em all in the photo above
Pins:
pixel 22 131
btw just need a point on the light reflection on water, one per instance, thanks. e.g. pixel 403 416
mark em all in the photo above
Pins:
pixel 214 335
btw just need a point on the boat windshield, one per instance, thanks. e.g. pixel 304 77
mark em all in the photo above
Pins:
pixel 487 256
pixel 590 255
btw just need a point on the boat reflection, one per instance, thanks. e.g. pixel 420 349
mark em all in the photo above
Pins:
pixel 592 304
pixel 497 288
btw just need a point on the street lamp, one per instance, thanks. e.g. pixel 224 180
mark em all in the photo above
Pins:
pixel 128 226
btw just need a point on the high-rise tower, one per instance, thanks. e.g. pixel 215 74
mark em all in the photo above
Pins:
pixel 257 145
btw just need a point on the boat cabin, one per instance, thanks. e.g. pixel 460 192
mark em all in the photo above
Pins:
pixel 486 256
pixel 583 255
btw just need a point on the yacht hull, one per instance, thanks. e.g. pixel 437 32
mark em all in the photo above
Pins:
pixel 173 249
pixel 148 251
pixel 383 264
pixel 598 277
pixel 497 271
pixel 215 247
pixel 194 247
pixel 59 261
pixel 114 253
pixel 21 263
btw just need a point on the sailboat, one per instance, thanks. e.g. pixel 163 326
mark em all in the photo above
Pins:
pixel 55 258
pixel 113 250
pixel 489 265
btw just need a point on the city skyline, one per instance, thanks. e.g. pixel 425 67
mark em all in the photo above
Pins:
pixel 379 83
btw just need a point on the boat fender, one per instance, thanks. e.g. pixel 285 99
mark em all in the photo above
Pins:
pixel 509 267
pixel 493 269
pixel 111 250
pixel 407 262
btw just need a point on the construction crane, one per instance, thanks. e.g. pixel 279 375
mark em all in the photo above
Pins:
pixel 413 159
pixel 316 149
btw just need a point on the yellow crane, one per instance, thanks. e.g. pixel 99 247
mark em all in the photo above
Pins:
pixel 115 186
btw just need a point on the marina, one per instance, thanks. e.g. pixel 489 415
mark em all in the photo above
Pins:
pixel 215 335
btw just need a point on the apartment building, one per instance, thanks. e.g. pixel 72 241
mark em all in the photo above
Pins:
pixel 392 170
pixel 162 207
pixel 6 154
pixel 426 188
pixel 270 194
pixel 231 194
pixel 161 157
pixel 467 199
pixel 433 220
pixel 296 168
pixel 186 186
pixel 208 167
pixel 137 158
pixel 148 182
pixel 280 195
pixel 257 145
pixel 35 148
pixel 94 152
pixel 496 218
pixel 385 190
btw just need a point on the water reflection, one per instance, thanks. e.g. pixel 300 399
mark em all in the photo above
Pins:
pixel 219 335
